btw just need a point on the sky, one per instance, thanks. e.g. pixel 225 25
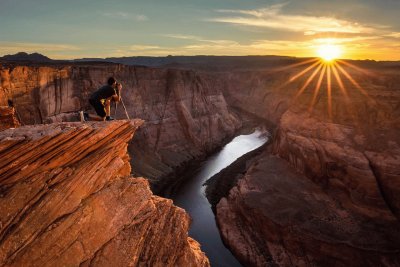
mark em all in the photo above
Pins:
pixel 60 29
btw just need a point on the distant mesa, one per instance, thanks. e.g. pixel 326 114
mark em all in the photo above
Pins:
pixel 23 56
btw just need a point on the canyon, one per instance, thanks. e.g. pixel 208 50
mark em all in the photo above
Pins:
pixel 324 193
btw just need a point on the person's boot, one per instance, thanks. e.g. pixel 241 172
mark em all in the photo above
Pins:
pixel 109 118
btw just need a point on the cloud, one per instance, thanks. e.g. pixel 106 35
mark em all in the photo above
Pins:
pixel 256 47
pixel 122 15
pixel 182 36
pixel 141 17
pixel 14 47
pixel 144 47
pixel 125 16
pixel 272 17
pixel 198 39
pixel 342 40
pixel 393 35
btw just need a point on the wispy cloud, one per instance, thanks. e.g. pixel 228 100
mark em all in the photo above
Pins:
pixel 125 16
pixel 182 36
pixel 344 40
pixel 273 17
pixel 198 39
pixel 14 47
pixel 144 47
pixel 256 47
pixel 141 17
pixel 394 35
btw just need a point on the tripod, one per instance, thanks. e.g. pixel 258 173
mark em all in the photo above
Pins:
pixel 123 105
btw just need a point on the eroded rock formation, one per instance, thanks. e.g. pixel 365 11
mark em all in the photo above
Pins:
pixel 276 216
pixel 337 205
pixel 186 114
pixel 67 199
pixel 8 118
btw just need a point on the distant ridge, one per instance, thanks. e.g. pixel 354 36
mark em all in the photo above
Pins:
pixel 23 56
pixel 195 62
pixel 200 62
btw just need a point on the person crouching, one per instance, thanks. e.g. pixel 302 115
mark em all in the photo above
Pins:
pixel 101 99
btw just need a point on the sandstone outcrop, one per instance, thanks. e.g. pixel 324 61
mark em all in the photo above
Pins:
pixel 67 199
pixel 8 118
pixel 338 204
pixel 186 114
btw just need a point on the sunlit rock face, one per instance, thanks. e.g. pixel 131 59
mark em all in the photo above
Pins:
pixel 67 199
pixel 186 114
pixel 338 202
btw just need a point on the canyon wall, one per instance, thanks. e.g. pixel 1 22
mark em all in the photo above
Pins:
pixel 327 192
pixel 67 199
pixel 186 114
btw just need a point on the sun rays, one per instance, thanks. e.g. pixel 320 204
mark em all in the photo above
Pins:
pixel 327 74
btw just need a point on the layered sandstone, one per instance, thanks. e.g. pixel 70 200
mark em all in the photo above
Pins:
pixel 185 112
pixel 338 204
pixel 67 199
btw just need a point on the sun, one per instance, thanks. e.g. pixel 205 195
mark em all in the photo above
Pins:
pixel 329 52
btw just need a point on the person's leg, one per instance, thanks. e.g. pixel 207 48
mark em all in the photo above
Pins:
pixel 100 110
pixel 107 106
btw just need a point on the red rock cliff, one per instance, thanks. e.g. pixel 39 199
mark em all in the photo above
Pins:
pixel 186 114
pixel 330 195
pixel 67 199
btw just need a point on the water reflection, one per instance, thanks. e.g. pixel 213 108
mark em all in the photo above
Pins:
pixel 191 197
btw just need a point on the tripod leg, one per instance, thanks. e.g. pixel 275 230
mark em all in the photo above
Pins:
pixel 126 112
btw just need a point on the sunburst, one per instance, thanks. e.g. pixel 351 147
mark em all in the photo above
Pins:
pixel 330 68
pixel 329 52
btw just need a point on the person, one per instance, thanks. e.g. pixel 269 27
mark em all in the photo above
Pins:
pixel 101 100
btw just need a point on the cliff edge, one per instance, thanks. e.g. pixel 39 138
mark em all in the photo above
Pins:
pixel 67 199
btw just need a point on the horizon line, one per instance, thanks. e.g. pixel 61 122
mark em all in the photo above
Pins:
pixel 198 55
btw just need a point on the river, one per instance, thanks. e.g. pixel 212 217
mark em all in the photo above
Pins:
pixel 190 196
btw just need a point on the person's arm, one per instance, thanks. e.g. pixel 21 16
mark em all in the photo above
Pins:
pixel 117 97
